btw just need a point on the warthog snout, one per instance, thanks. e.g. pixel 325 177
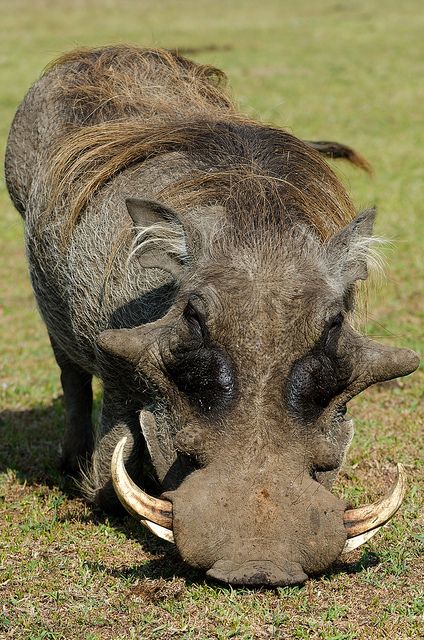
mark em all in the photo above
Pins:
pixel 254 528
pixel 257 572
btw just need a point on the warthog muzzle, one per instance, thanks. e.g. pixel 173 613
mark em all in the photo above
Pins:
pixel 272 560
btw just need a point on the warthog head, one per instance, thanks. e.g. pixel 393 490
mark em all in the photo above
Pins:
pixel 248 375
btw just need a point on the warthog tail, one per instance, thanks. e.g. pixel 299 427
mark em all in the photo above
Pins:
pixel 337 150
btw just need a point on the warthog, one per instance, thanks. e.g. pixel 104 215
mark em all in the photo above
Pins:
pixel 204 267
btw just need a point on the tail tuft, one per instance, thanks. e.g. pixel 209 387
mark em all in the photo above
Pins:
pixel 336 150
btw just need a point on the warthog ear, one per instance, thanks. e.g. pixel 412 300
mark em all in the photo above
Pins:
pixel 160 240
pixel 348 250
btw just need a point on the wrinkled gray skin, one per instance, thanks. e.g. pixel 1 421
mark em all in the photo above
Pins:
pixel 241 451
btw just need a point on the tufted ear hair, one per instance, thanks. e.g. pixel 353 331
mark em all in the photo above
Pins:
pixel 348 251
pixel 160 240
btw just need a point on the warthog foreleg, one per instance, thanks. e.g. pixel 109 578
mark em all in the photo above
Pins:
pixel 77 447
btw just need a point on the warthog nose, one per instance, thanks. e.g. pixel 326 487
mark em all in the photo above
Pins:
pixel 257 572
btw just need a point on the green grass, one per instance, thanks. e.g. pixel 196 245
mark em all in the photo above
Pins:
pixel 349 71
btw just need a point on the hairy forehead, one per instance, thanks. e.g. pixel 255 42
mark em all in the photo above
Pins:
pixel 276 307
pixel 276 280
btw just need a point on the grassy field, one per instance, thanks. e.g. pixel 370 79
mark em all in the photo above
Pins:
pixel 335 69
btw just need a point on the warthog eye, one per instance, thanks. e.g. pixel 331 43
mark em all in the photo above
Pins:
pixel 319 376
pixel 200 369
pixel 194 321
pixel 332 333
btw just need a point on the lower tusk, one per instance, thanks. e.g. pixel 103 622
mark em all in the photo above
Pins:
pixel 155 513
pixel 362 523
pixel 160 532
pixel 357 541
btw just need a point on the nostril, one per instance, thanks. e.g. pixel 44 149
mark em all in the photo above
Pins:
pixel 257 573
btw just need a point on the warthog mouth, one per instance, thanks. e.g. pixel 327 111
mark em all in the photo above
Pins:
pixel 156 514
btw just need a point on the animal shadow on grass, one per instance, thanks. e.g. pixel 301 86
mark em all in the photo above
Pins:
pixel 166 565
pixel 30 443
pixel 152 576
pixel 30 447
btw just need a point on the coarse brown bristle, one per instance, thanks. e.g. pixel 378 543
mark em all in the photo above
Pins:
pixel 128 104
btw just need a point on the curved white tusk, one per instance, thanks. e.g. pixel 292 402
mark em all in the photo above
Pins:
pixel 363 522
pixel 160 532
pixel 357 541
pixel 154 513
